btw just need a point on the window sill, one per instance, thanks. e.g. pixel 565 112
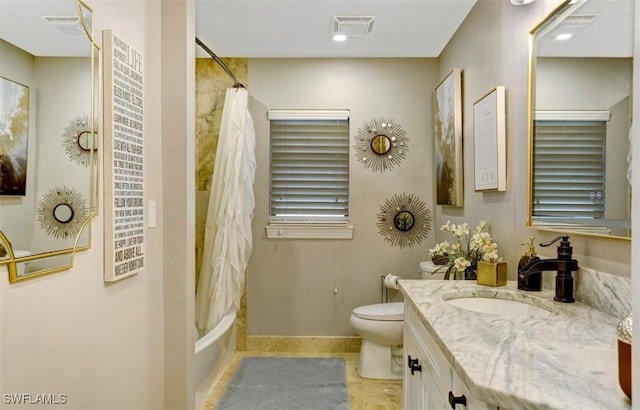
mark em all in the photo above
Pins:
pixel 309 231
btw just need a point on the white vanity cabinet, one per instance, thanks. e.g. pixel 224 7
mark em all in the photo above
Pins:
pixel 429 381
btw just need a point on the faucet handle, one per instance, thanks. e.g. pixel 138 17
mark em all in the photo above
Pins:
pixel 564 248
pixel 565 239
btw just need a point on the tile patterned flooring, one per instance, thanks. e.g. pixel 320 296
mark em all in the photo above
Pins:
pixel 364 394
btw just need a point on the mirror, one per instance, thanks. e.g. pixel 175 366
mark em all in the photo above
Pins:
pixel 48 134
pixel 580 83
pixel 403 221
pixel 381 144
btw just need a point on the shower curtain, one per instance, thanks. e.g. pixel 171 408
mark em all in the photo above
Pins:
pixel 227 239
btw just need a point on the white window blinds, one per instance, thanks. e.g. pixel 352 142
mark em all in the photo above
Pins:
pixel 569 167
pixel 309 166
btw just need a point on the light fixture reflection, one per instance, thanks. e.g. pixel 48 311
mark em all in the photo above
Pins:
pixel 565 36
pixel 339 37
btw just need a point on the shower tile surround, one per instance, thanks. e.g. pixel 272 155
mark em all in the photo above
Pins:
pixel 211 85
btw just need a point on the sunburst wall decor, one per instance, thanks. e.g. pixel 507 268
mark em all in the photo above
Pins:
pixel 77 141
pixel 381 144
pixel 404 220
pixel 61 212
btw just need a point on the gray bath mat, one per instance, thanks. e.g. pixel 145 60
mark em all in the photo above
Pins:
pixel 300 383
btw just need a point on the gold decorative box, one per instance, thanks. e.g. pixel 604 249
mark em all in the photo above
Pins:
pixel 492 273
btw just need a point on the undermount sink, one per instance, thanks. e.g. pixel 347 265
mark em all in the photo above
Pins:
pixel 505 304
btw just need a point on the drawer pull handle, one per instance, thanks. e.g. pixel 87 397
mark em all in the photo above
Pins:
pixel 414 364
pixel 453 400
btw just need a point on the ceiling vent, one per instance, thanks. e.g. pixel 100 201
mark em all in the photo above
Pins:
pixel 580 19
pixel 69 25
pixel 353 26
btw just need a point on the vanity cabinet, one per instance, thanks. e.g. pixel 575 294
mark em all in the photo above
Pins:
pixel 429 381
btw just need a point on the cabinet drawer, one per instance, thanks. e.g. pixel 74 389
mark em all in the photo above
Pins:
pixel 434 361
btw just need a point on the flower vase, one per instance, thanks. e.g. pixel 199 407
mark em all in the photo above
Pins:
pixel 471 272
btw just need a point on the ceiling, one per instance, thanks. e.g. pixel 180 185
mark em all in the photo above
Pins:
pixel 600 28
pixel 22 25
pixel 303 28
pixel 267 28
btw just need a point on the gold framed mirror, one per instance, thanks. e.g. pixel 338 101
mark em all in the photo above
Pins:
pixel 404 220
pixel 47 219
pixel 580 109
pixel 381 144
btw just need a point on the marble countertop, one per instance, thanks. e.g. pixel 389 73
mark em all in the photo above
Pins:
pixel 567 360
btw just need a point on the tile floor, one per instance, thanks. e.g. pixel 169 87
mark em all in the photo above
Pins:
pixel 364 394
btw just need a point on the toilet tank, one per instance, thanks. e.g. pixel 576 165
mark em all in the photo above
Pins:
pixel 428 270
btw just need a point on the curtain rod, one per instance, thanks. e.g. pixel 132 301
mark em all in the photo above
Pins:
pixel 236 83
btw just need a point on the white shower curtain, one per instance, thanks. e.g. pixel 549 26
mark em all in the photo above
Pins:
pixel 227 243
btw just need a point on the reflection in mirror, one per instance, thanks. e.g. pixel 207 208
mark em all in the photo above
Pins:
pixel 403 221
pixel 57 63
pixel 380 144
pixel 580 119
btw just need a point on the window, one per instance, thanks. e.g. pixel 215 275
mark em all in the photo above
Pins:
pixel 309 176
pixel 569 165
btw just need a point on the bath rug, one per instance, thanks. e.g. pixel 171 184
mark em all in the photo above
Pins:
pixel 295 383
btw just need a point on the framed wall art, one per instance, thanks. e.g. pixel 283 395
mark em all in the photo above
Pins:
pixel 489 142
pixel 448 140
pixel 123 156
pixel 14 136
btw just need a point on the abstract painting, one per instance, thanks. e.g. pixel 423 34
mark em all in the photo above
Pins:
pixel 448 140
pixel 14 135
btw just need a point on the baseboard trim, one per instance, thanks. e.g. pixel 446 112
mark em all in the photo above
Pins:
pixel 304 344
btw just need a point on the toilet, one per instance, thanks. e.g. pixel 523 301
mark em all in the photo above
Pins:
pixel 380 326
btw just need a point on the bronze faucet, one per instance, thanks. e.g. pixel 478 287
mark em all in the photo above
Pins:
pixel 563 265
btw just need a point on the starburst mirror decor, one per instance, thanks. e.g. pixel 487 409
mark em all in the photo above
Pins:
pixel 404 220
pixel 77 139
pixel 61 212
pixel 381 144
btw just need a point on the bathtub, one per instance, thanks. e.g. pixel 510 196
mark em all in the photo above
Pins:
pixel 212 353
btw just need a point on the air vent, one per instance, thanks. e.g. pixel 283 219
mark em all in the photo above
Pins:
pixel 580 19
pixel 69 25
pixel 353 26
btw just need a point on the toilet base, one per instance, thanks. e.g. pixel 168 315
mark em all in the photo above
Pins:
pixel 379 361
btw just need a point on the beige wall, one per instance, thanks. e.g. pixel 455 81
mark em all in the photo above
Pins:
pixel 291 282
pixel 499 56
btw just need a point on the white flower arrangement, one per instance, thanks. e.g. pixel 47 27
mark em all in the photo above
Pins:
pixel 467 249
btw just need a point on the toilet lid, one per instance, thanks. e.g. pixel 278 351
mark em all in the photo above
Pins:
pixel 381 311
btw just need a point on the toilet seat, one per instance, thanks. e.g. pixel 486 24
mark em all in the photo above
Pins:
pixel 381 311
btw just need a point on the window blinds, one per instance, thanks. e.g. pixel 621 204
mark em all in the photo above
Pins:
pixel 309 166
pixel 569 169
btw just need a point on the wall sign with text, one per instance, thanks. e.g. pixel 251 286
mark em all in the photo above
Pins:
pixel 123 156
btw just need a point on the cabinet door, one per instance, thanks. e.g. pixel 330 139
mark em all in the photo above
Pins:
pixel 420 390
pixel 413 392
